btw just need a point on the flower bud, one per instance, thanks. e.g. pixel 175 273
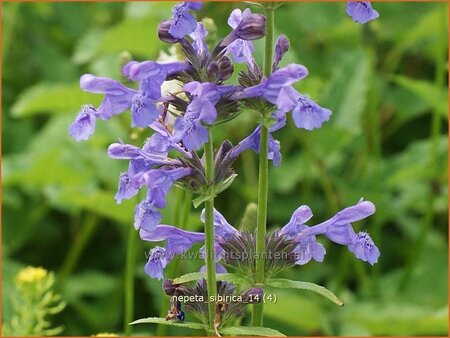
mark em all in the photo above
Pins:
pixel 252 27
pixel 213 70
pixel 253 295
pixel 281 48
pixel 169 288
pixel 163 32
pixel 226 68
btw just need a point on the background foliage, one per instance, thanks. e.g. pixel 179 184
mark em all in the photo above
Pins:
pixel 386 141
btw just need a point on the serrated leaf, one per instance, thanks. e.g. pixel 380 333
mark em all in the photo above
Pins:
pixel 292 284
pixel 435 96
pixel 250 331
pixel 157 320
pixel 52 99
pixel 194 276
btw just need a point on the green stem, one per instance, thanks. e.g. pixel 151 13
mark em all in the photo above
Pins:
pixel 129 281
pixel 85 234
pixel 263 181
pixel 209 230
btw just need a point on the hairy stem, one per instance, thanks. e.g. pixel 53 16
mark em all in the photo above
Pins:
pixel 263 180
pixel 209 231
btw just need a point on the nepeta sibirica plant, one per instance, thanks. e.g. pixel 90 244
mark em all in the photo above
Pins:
pixel 180 151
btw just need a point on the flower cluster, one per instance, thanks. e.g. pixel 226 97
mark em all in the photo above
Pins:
pixel 180 121
pixel 293 244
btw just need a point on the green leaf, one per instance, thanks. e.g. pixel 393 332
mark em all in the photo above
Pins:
pixel 156 320
pixel 346 95
pixel 52 99
pixel 216 190
pixel 292 284
pixel 224 185
pixel 399 318
pixel 201 199
pixel 100 202
pixel 433 95
pixel 250 331
pixel 133 35
pixel 194 276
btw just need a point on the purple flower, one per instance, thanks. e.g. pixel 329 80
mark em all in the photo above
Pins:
pixel 118 98
pixel 300 216
pixel 221 226
pixel 204 97
pixel 156 263
pixel 191 131
pixel 338 229
pixel 253 142
pixel 84 125
pixel 162 141
pixel 277 88
pixel 140 173
pixel 177 240
pixel 308 115
pixel 241 50
pixel 152 75
pixel 248 25
pixel 308 248
pixel 361 11
pixel 146 216
pixel 199 36
pixel 184 22
pixel 120 151
pixel 159 181
pixel 128 187
pixel 364 248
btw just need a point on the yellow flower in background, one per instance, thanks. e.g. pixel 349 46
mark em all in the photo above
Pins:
pixel 31 275
pixel 105 334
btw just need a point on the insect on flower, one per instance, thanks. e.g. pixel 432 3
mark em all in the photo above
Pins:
pixel 175 310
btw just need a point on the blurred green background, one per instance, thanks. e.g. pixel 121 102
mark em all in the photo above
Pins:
pixel 386 141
